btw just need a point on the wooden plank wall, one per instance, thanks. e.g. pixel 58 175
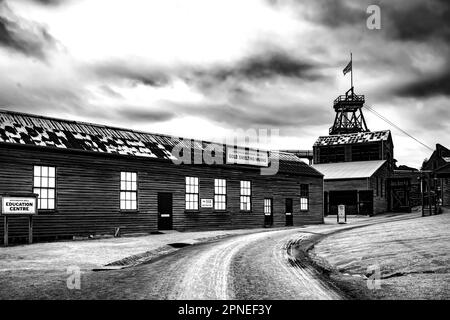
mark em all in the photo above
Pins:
pixel 380 201
pixel 446 192
pixel 88 193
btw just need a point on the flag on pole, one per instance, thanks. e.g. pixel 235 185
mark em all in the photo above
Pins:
pixel 348 68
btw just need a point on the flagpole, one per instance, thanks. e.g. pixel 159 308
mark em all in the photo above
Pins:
pixel 351 70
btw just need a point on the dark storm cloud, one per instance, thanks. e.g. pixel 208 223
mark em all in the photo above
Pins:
pixel 142 114
pixel 25 37
pixel 110 92
pixel 133 72
pixel 50 2
pixel 331 13
pixel 406 20
pixel 335 13
pixel 405 26
pixel 268 65
pixel 264 66
pixel 418 20
pixel 250 114
pixel 426 86
pixel 259 66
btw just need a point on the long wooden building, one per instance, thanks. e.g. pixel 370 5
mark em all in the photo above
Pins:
pixel 93 179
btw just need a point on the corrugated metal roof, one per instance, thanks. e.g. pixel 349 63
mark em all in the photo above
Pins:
pixel 360 137
pixel 349 170
pixel 27 129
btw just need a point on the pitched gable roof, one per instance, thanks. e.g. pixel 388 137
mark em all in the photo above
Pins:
pixel 27 129
pixel 349 170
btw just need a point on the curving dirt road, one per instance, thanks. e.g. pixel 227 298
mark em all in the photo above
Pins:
pixel 264 265
pixel 253 266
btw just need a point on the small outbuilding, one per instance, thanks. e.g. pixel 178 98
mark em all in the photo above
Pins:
pixel 359 185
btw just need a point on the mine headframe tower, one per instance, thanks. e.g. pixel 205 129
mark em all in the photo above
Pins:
pixel 349 116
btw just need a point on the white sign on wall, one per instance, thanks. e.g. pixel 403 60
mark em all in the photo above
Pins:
pixel 206 203
pixel 342 218
pixel 18 205
pixel 246 156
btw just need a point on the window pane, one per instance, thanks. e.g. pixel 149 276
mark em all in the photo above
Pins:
pixel 37 182
pixel 51 182
pixel 45 171
pixel 51 172
pixel 44 182
pixel 51 204
pixel 37 171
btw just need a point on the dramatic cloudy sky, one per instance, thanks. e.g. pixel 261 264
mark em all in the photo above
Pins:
pixel 203 68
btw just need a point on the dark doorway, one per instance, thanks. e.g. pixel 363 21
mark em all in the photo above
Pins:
pixel 164 211
pixel 325 204
pixel 289 212
pixel 268 212
pixel 347 198
pixel 366 202
pixel 399 196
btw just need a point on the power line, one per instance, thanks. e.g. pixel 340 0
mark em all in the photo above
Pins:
pixel 397 127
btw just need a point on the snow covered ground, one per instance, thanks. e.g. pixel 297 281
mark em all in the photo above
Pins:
pixel 88 254
pixel 413 257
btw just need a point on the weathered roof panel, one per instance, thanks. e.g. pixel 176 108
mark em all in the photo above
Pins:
pixel 27 129
pixel 360 137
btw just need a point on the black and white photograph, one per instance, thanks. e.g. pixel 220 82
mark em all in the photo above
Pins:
pixel 249 152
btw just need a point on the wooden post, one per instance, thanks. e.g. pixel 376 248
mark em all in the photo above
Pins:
pixel 429 194
pixel 30 229
pixel 5 230
pixel 423 195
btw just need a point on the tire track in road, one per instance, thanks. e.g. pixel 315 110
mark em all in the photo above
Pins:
pixel 250 266
pixel 213 267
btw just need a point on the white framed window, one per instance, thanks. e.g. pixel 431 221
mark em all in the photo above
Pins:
pixel 44 184
pixel 191 193
pixel 128 190
pixel 268 206
pixel 220 194
pixel 304 197
pixel 246 196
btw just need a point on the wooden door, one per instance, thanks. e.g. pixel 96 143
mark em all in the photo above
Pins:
pixel 165 206
pixel 289 212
